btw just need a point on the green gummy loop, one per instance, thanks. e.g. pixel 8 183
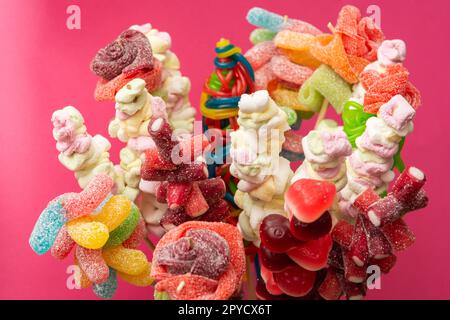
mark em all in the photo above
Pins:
pixel 354 119
pixel 161 295
pixel 309 97
pixel 291 115
pixel 261 35
pixel 328 84
pixel 126 228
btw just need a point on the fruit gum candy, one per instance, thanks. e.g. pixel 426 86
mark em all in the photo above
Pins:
pixel 261 35
pixel 141 280
pixel 290 72
pixel 209 289
pixel 330 51
pixel 124 260
pixel 106 90
pixel 87 233
pixel 125 229
pixel 48 225
pixel 288 98
pixel 137 236
pixel 85 202
pixel 361 36
pixel 114 212
pixel 92 264
pixel 329 84
pixel 63 244
pixel 107 289
pixel 275 22
pixel 82 279
pixel 260 54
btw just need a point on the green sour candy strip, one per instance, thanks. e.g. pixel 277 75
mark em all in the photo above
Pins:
pixel 398 161
pixel 261 35
pixel 161 295
pixel 354 119
pixel 291 115
pixel 330 85
pixel 309 97
pixel 124 231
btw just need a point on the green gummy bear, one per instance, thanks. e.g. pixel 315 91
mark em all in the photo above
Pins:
pixel 354 119
pixel 324 83
pixel 125 229
pixel 261 35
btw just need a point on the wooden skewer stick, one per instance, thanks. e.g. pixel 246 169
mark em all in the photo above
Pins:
pixel 251 286
pixel 322 112
pixel 150 244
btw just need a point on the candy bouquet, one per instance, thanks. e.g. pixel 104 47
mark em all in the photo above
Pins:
pixel 308 215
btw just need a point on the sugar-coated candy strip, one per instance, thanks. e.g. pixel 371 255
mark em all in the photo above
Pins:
pixel 63 244
pixel 408 184
pixel 107 289
pixel 161 132
pixel 92 264
pixel 212 189
pixel 129 261
pixel 330 288
pixel 106 90
pixel 385 264
pixel 386 210
pixel 342 234
pixel 354 291
pixel 47 226
pixel 260 35
pixel 114 212
pixel 399 235
pixel 217 212
pixel 377 243
pixel 188 172
pixel 173 218
pixel 137 236
pixel 125 229
pixel 91 197
pixel 141 280
pixel 177 194
pixel 82 279
pixel 365 200
pixel 329 84
pixel 87 233
pixel 359 247
pixel 260 54
pixel 352 272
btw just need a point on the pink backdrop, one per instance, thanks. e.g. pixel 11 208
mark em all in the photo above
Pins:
pixel 47 67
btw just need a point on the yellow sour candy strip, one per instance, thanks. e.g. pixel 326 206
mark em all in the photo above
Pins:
pixel 87 233
pixel 141 280
pixel 129 261
pixel 114 212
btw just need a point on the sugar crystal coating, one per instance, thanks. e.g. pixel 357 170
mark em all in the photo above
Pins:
pixel 47 227
pixel 201 252
pixel 107 289
pixel 92 263
pixel 125 229
pixel 129 52
pixel 129 261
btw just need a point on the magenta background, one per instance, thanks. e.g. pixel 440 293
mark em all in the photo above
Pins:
pixel 44 66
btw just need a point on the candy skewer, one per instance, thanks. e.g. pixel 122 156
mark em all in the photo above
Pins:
pixel 322 112
pixel 150 244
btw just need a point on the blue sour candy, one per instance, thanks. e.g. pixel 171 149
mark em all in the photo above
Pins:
pixel 47 227
pixel 264 19
pixel 107 289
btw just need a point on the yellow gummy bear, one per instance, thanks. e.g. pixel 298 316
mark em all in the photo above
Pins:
pixel 87 233
pixel 124 260
pixel 114 212
pixel 141 280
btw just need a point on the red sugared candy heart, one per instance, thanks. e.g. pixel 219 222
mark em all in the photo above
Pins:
pixel 311 231
pixel 342 234
pixel 308 199
pixel 276 235
pixel 312 255
pixel 295 281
